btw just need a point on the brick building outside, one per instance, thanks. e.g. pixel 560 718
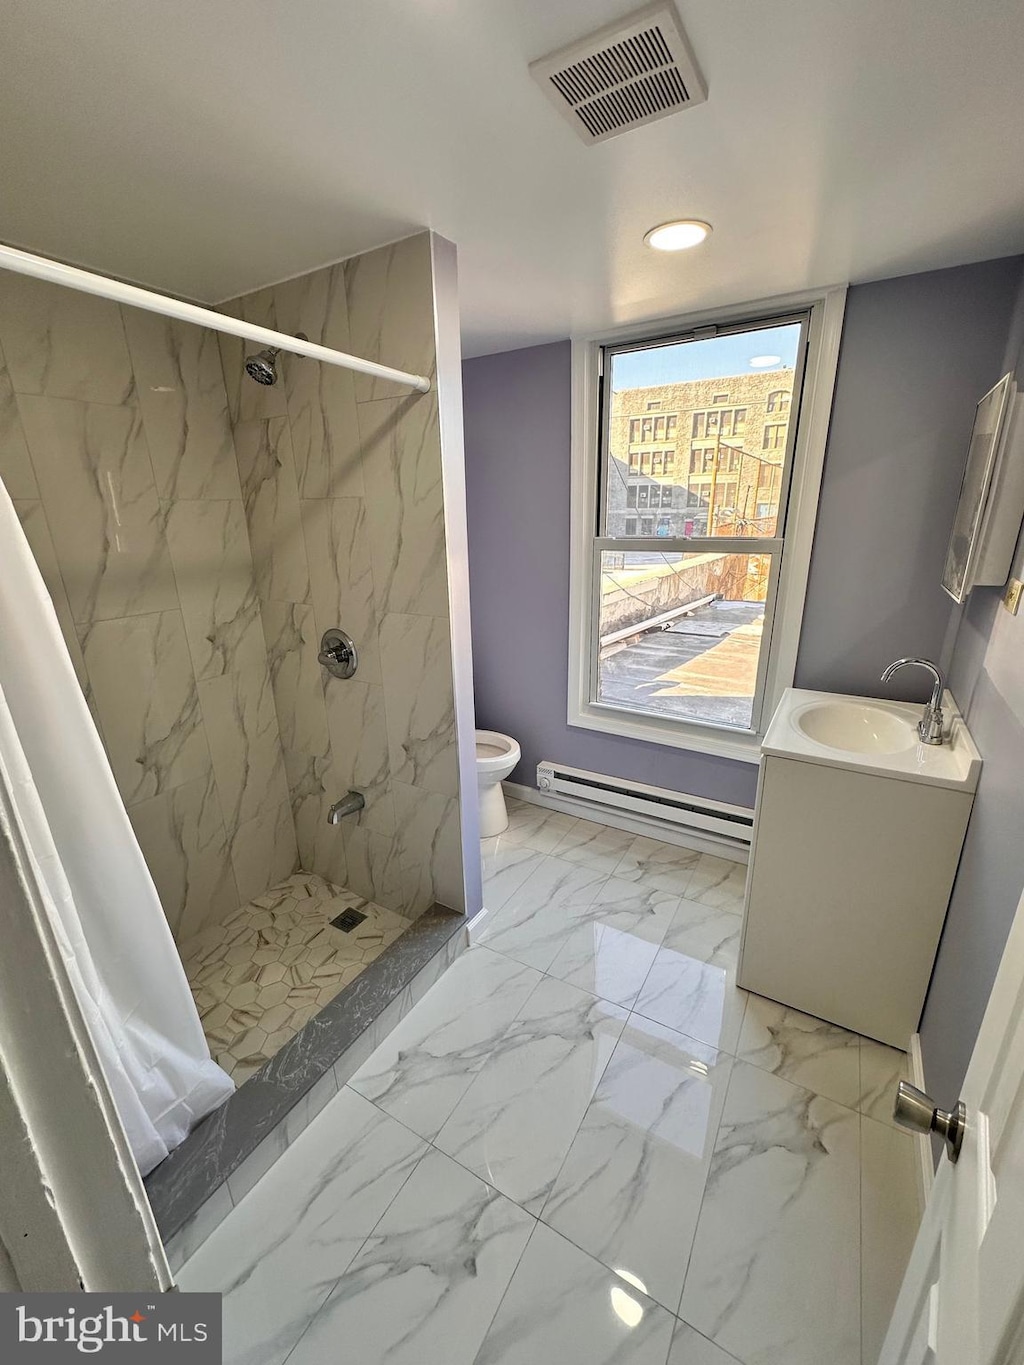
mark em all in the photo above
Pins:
pixel 699 458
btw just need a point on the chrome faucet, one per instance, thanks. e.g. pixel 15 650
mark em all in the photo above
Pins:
pixel 929 727
pixel 349 804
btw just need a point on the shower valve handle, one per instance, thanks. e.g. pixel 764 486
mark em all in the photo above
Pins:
pixel 338 654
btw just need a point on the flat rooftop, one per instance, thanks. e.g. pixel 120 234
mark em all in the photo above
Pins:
pixel 702 668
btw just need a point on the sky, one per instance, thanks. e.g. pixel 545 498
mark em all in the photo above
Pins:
pixel 710 359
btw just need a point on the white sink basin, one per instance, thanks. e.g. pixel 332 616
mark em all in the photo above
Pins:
pixel 855 727
pixel 869 735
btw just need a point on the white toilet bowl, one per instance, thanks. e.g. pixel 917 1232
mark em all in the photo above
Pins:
pixel 496 756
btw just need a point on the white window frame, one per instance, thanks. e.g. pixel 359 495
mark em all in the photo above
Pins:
pixel 827 308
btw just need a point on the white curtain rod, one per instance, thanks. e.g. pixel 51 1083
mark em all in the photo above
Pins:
pixel 54 272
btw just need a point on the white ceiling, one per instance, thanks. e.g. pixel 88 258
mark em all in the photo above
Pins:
pixel 206 147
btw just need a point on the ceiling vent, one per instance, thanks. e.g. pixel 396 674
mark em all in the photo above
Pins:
pixel 632 72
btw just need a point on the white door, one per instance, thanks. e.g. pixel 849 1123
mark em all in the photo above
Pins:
pixel 962 1301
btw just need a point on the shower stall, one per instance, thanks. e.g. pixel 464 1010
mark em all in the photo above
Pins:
pixel 257 562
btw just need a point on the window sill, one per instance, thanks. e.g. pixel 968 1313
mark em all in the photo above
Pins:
pixel 736 745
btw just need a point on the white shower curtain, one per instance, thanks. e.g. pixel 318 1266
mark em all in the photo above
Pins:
pixel 92 876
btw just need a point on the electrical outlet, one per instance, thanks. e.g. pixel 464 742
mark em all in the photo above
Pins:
pixel 1012 595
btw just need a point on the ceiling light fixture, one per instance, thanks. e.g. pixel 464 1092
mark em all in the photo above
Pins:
pixel 765 362
pixel 677 236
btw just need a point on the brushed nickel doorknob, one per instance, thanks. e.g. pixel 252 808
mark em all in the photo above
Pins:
pixel 919 1112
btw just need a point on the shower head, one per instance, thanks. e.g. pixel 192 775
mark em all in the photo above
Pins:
pixel 263 366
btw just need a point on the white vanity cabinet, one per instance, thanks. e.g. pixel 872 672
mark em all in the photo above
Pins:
pixel 853 860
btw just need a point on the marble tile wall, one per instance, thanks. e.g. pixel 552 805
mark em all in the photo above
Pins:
pixel 117 446
pixel 198 533
pixel 341 483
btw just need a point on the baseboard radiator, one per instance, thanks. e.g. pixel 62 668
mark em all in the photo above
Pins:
pixel 711 823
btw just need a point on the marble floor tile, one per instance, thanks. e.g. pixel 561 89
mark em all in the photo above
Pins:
pixel 630 1190
pixel 425 1066
pixel 505 868
pixel 197 1229
pixel 517 1120
pixel 597 846
pixel 666 866
pixel 606 959
pixel 612 943
pixel 277 1256
pixel 652 910
pixel 718 882
pixel 807 1051
pixel 537 918
pixel 564 1308
pixel 774 1276
pixel 654 1160
pixel 536 826
pixel 881 1070
pixel 692 985
pixel 690 1348
pixel 275 962
pixel 427 1283
pixel 890 1215
pixel 410 994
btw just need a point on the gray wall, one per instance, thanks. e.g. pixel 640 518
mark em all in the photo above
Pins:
pixel 517 484
pixel 987 678
pixel 916 354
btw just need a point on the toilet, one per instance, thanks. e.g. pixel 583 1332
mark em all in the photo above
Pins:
pixel 496 756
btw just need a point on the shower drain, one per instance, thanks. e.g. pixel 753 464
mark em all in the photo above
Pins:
pixel 348 920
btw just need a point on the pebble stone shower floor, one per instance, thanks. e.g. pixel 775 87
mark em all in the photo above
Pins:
pixel 263 973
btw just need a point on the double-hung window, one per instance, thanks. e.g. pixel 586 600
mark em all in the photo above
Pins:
pixel 676 617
